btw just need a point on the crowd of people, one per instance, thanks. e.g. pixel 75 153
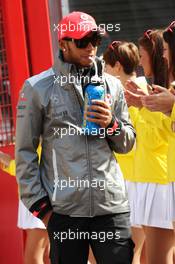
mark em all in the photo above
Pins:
pixel 147 162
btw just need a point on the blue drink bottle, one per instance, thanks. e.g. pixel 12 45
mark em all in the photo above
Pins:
pixel 93 91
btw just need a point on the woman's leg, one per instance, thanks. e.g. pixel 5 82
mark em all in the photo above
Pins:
pixel 36 247
pixel 174 243
pixel 159 245
pixel 91 258
pixel 174 226
pixel 138 237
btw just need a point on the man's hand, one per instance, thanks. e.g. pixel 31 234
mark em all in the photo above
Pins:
pixel 162 100
pixel 102 114
pixel 46 218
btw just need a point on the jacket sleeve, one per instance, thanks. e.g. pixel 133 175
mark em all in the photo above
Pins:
pixel 28 131
pixel 123 139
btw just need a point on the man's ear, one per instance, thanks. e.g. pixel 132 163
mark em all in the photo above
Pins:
pixel 62 45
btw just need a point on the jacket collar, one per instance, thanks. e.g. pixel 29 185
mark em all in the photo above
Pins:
pixel 62 68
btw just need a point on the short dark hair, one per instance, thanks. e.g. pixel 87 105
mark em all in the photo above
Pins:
pixel 126 53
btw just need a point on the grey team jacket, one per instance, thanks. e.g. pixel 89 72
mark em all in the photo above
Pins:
pixel 84 165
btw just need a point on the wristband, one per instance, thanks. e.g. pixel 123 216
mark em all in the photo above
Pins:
pixel 114 127
pixel 41 207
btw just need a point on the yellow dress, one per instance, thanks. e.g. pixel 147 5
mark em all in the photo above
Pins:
pixel 147 162
pixel 150 162
pixel 126 161
pixel 171 149
pixel 167 123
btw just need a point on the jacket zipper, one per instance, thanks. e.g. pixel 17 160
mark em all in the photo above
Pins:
pixel 56 176
pixel 88 160
pixel 89 166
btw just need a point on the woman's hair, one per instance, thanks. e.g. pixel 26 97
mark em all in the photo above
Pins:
pixel 125 52
pixel 169 38
pixel 152 42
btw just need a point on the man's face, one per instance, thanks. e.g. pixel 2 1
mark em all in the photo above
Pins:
pixel 80 56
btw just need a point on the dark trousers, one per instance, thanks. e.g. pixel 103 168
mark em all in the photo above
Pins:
pixel 109 237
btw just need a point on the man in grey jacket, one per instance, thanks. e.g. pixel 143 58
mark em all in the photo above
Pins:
pixel 77 189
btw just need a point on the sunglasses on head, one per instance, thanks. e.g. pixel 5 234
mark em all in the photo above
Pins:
pixel 114 44
pixel 171 27
pixel 114 47
pixel 95 40
pixel 147 34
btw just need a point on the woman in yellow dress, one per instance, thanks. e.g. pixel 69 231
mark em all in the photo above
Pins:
pixel 121 60
pixel 164 100
pixel 149 183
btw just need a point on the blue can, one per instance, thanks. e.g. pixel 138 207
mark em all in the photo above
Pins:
pixel 93 91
